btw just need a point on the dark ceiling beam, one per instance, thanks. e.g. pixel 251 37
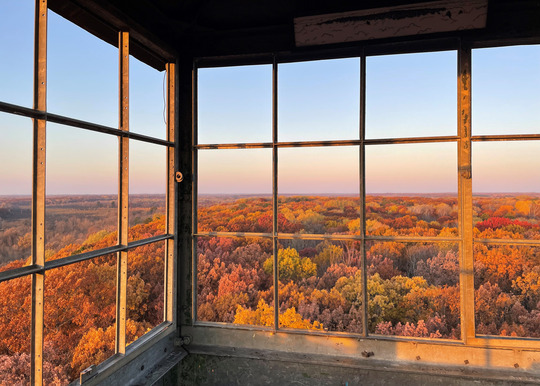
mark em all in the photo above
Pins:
pixel 508 22
pixel 238 42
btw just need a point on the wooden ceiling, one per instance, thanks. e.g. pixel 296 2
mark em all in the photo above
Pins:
pixel 200 28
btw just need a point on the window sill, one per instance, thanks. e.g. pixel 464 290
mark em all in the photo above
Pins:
pixel 151 355
pixel 376 352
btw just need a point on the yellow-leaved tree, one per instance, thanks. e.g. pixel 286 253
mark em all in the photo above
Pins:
pixel 291 265
pixel 263 315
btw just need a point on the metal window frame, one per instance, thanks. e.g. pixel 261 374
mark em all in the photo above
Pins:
pixel 463 140
pixel 160 342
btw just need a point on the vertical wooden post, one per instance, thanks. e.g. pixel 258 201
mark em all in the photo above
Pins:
pixel 38 190
pixel 275 229
pixel 465 193
pixel 123 194
pixel 170 289
pixel 362 169
pixel 192 155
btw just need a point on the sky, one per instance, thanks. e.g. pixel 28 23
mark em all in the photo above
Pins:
pixel 407 95
pixel 82 80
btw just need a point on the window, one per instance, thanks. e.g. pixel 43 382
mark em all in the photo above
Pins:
pixel 365 218
pixel 86 202
pixel 505 189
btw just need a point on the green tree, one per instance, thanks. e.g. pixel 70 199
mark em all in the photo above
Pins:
pixel 291 265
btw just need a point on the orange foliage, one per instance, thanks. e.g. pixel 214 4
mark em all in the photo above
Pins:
pixel 80 304
pixel 428 307
pixel 413 288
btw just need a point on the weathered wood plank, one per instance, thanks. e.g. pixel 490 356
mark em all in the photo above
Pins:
pixel 389 22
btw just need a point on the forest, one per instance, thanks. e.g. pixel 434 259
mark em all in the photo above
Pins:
pixel 80 299
pixel 412 287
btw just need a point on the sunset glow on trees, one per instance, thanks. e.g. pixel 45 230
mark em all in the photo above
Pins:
pixel 413 288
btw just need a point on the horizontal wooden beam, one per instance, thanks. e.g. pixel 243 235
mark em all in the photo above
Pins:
pixel 78 258
pixel 63 120
pixel 337 237
pixel 493 358
pixel 353 142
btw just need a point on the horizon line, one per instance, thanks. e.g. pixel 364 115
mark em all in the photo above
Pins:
pixel 367 193
pixel 280 194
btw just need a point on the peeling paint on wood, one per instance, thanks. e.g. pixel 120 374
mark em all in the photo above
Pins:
pixel 415 19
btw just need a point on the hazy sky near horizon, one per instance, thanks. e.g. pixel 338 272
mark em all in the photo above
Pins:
pixel 407 95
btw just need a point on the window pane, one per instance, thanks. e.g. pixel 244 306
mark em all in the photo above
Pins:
pixel 411 190
pixel 15 191
pixel 147 188
pixel 319 100
pixel 413 289
pixel 82 74
pixel 147 93
pixel 505 84
pixel 506 190
pixel 234 281
pixel 235 190
pixel 146 270
pixel 17 49
pixel 82 184
pixel 235 104
pixel 506 281
pixel 80 315
pixel 320 285
pixel 318 190
pixel 411 95
pixel 15 320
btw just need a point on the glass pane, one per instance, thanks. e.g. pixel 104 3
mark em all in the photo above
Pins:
pixel 506 190
pixel 413 289
pixel 234 281
pixel 82 73
pixel 82 184
pixel 235 104
pixel 318 190
pixel 411 95
pixel 146 270
pixel 505 84
pixel 319 100
pixel 17 51
pixel 321 285
pixel 15 338
pixel 507 299
pixel 411 190
pixel 147 189
pixel 235 190
pixel 80 315
pixel 15 191
pixel 147 94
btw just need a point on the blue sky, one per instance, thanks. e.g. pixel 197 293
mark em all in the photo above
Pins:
pixel 411 95
pixel 505 86
pixel 406 96
pixel 82 80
